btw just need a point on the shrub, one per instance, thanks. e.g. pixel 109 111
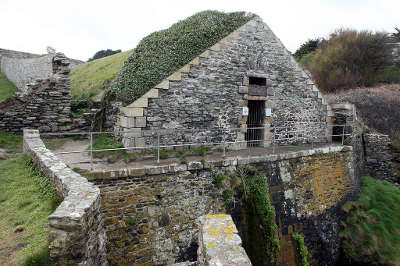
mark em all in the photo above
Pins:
pixel 200 151
pixel 306 60
pixel 371 230
pixel 228 195
pixel 103 53
pixel 389 74
pixel 301 248
pixel 218 180
pixel 306 48
pixel 163 52
pixel 349 59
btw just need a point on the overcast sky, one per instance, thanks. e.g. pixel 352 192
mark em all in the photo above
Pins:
pixel 79 28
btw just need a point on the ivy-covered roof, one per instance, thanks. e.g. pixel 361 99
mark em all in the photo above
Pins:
pixel 164 52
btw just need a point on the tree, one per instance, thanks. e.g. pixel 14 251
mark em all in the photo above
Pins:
pixel 104 53
pixel 309 46
pixel 396 35
pixel 350 58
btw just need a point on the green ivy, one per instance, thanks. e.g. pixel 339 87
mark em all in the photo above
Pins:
pixel 301 248
pixel 163 52
pixel 260 210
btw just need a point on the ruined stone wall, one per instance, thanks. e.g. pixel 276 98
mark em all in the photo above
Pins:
pixel 16 54
pixel 76 229
pixel 210 91
pixel 150 212
pixel 22 71
pixel 45 105
pixel 24 68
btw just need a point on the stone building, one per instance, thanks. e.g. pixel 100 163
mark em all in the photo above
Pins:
pixel 247 79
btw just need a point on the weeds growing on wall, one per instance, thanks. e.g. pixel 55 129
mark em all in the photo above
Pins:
pixel 163 52
pixel 371 231
pixel 260 217
pixel 301 249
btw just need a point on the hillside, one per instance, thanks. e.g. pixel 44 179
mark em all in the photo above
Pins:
pixel 377 107
pixel 6 87
pixel 87 80
pixel 163 52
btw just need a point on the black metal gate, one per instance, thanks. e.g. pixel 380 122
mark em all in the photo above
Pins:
pixel 254 135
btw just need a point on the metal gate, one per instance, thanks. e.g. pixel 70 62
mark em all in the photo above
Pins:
pixel 254 135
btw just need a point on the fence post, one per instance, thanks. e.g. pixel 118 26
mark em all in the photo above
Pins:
pixel 158 146
pixel 342 134
pixel 224 143
pixel 91 151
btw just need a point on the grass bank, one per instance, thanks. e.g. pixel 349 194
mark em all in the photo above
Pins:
pixel 26 200
pixel 371 231
pixel 7 88
pixel 87 80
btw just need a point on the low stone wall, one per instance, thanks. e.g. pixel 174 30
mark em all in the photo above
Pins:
pixel 378 157
pixel 77 234
pixel 220 243
pixel 151 213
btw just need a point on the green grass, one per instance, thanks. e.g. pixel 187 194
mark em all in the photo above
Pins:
pixel 163 52
pixel 7 88
pixel 301 248
pixel 371 231
pixel 107 142
pixel 11 143
pixel 26 199
pixel 87 80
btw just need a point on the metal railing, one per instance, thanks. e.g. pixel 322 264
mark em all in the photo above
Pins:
pixel 228 137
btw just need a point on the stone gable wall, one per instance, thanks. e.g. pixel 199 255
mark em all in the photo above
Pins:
pixel 77 235
pixel 211 90
pixel 151 212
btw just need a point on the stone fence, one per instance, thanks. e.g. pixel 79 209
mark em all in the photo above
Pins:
pixel 77 234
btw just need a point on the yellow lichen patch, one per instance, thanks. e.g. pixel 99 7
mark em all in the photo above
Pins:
pixel 219 216
pixel 211 245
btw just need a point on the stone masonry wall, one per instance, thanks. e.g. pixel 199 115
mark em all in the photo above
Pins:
pixel 77 235
pixel 16 54
pixel 378 157
pixel 210 91
pixel 45 105
pixel 22 71
pixel 151 212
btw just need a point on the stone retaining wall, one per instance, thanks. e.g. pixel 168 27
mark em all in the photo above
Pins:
pixel 77 234
pixel 151 213
pixel 378 160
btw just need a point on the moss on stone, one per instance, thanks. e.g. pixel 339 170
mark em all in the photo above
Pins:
pixel 163 52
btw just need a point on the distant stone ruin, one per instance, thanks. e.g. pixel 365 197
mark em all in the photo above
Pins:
pixel 23 68
pixel 44 104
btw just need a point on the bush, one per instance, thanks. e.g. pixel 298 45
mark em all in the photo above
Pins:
pixel 371 231
pixel 350 59
pixel 306 48
pixel 163 52
pixel 103 53
pixel 307 59
pixel 389 74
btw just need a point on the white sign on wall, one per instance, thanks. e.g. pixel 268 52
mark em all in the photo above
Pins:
pixel 245 111
pixel 267 111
